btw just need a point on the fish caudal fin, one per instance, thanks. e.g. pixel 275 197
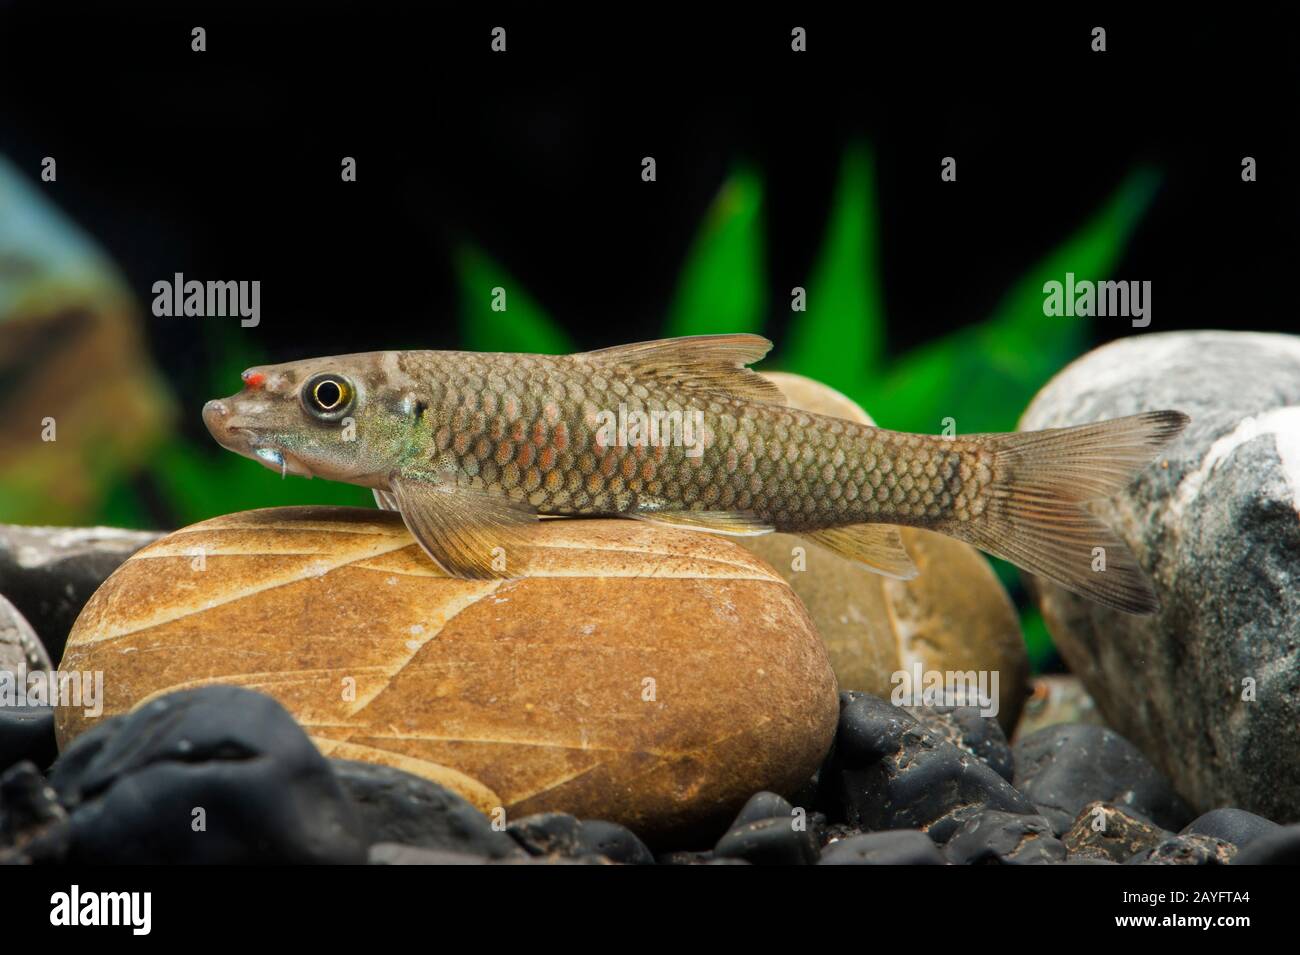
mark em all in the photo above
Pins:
pixel 1035 516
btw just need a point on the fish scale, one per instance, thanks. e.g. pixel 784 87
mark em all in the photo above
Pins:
pixel 528 429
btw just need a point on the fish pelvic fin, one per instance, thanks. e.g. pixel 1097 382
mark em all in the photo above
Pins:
pixel 1035 515
pixel 706 363
pixel 878 546
pixel 466 531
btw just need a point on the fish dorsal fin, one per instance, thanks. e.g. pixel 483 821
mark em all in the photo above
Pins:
pixel 879 546
pixel 731 523
pixel 708 363
pixel 461 528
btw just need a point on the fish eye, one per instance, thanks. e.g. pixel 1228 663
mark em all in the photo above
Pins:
pixel 327 396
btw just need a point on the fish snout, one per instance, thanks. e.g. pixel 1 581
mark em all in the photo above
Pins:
pixel 215 413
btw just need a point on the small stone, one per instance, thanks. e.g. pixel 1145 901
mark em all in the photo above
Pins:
pixel 778 841
pixel 50 572
pixel 968 730
pixel 33 826
pixel 889 771
pixel 893 847
pixel 20 648
pixel 1003 838
pixel 1237 826
pixel 560 834
pixel 1187 850
pixel 1056 698
pixel 1281 847
pixel 27 733
pixel 393 853
pixel 1063 768
pixel 218 774
pixel 764 805
pixel 398 807
pixel 1104 831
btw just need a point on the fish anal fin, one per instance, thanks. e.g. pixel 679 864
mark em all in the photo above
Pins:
pixel 878 546
pixel 707 363
pixel 466 531
pixel 716 522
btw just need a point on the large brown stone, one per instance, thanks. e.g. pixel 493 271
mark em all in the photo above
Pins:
pixel 954 615
pixel 646 675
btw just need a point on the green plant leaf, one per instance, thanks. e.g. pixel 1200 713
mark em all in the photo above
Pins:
pixel 840 338
pixel 522 327
pixel 722 286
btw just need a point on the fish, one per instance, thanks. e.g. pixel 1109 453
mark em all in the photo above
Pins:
pixel 472 447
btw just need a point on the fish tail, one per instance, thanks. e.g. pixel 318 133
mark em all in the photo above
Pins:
pixel 1034 515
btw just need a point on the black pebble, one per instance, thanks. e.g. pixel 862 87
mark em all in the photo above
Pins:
pixel 1187 850
pixel 133 783
pixel 1003 838
pixel 395 806
pixel 775 841
pixel 33 826
pixel 895 847
pixel 1237 826
pixel 1281 847
pixel 1063 768
pixel 890 771
pixel 27 733
pixel 566 836
pixel 965 728
pixel 764 805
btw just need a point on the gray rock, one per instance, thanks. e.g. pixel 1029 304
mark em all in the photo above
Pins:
pixel 1062 769
pixel 34 826
pixel 20 647
pixel 50 572
pixel 1213 523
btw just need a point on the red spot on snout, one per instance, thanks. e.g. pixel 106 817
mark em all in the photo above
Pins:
pixel 253 379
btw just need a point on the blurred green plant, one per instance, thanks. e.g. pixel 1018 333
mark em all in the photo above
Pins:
pixel 982 376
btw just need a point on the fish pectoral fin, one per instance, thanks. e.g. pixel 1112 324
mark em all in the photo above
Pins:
pixel 879 546
pixel 707 363
pixel 466 531
pixel 385 501
pixel 716 522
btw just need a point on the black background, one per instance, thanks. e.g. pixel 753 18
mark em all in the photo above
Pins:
pixel 225 164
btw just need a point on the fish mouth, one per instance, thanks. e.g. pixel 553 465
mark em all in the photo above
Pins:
pixel 250 442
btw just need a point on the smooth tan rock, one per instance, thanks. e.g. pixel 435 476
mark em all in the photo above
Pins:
pixel 645 675
pixel 954 615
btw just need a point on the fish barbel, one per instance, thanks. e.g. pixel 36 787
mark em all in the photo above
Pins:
pixel 470 447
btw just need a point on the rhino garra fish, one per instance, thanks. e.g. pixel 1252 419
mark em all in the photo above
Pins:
pixel 471 447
